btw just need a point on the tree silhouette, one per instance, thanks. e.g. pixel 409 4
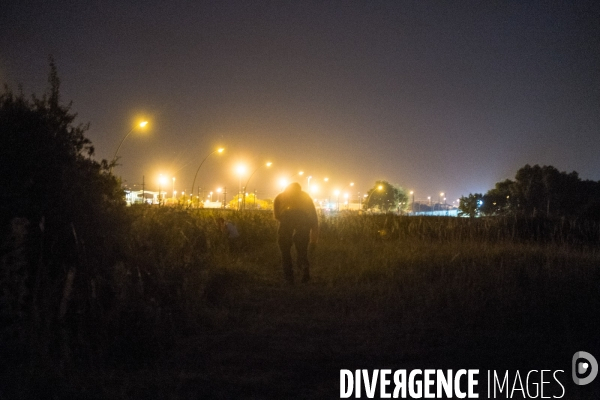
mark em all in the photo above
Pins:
pixel 62 223
pixel 385 196
pixel 470 205
pixel 544 191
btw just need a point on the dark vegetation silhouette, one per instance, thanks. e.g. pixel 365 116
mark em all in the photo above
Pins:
pixel 62 222
pixel 103 301
pixel 538 192
pixel 384 196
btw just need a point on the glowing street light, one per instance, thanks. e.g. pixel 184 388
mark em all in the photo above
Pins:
pixel 297 173
pixel 162 180
pixel 412 193
pixel 219 150
pixel 283 183
pixel 140 125
pixel 268 164
pixel 240 169
pixel 370 194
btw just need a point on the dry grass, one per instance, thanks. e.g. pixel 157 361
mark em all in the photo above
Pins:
pixel 387 291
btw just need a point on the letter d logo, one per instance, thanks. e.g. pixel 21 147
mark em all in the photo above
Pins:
pixel 581 368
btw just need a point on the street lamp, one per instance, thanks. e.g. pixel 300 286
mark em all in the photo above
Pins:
pixel 173 187
pixel 140 125
pixel 337 193
pixel 283 184
pixel 370 194
pixel 161 181
pixel 297 173
pixel 268 164
pixel 219 150
pixel 412 193
pixel 240 169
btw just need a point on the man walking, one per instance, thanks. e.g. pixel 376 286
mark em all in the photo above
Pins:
pixel 298 226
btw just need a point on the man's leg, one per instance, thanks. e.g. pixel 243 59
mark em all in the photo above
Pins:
pixel 301 239
pixel 285 242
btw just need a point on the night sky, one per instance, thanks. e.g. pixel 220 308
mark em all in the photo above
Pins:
pixel 429 95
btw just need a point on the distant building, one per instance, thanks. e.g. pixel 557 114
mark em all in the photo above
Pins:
pixel 213 204
pixel 453 212
pixel 140 197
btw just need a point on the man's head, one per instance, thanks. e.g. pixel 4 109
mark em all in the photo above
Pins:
pixel 293 188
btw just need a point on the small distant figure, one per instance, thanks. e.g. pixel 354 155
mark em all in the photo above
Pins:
pixel 230 231
pixel 298 226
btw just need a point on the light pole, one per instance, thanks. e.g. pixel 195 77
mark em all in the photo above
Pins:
pixel 173 188
pixel 219 150
pixel 370 194
pixel 240 170
pixel 140 125
pixel 268 164
pixel 413 201
pixel 161 181
pixel 337 193
pixel 297 173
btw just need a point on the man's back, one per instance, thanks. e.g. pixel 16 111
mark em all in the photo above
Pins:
pixel 293 198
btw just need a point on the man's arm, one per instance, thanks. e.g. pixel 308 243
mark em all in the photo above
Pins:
pixel 314 234
pixel 276 208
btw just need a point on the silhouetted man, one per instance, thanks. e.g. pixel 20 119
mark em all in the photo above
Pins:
pixel 298 226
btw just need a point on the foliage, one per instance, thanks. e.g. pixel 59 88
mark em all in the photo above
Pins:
pixel 498 201
pixel 544 191
pixel 180 294
pixel 254 203
pixel 385 196
pixel 61 215
pixel 470 205
pixel 249 202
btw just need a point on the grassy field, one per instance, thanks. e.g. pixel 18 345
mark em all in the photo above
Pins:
pixel 199 320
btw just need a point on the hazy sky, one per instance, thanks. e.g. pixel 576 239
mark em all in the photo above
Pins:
pixel 433 96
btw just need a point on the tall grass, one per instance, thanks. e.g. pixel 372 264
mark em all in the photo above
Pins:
pixel 184 315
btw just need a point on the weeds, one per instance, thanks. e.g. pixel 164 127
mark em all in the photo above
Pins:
pixel 385 289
